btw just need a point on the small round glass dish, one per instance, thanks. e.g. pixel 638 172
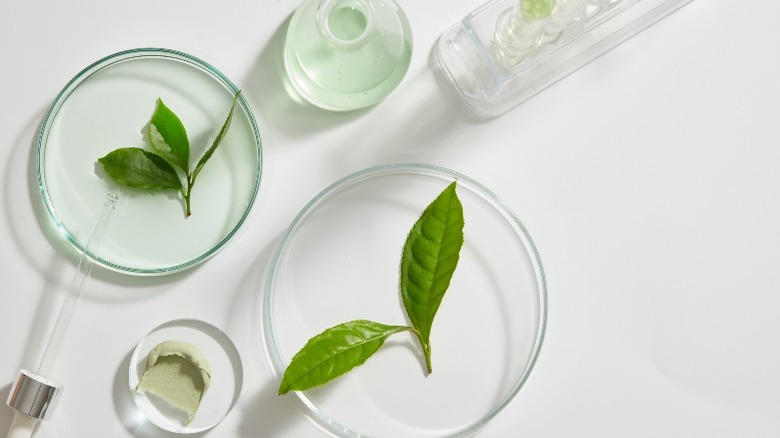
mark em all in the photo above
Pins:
pixel 339 261
pixel 227 376
pixel 105 107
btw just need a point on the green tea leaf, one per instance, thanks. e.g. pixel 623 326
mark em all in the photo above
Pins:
pixel 168 136
pixel 135 167
pixel 429 259
pixel 334 352
pixel 217 141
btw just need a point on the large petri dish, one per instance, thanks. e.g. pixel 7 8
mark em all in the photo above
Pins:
pixel 339 261
pixel 106 106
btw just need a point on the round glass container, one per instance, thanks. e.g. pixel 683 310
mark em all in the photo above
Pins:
pixel 339 261
pixel 227 375
pixel 106 106
pixel 347 54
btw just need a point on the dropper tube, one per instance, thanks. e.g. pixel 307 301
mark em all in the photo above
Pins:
pixel 83 271
pixel 34 396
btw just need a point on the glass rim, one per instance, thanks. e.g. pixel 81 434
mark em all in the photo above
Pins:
pixel 85 74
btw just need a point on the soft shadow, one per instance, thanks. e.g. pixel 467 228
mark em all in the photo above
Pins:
pixel 45 312
pixel 130 287
pixel 246 311
pixel 265 412
pixel 274 97
pixel 131 417
pixel 21 191
pixel 269 412
pixel 6 414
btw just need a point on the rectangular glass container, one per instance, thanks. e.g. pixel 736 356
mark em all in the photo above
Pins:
pixel 497 57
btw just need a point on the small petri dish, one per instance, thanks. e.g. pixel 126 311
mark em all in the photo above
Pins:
pixel 339 261
pixel 227 376
pixel 106 106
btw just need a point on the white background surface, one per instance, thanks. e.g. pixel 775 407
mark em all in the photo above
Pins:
pixel 649 181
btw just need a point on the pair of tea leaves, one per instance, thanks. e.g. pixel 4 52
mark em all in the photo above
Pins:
pixel 157 171
pixel 430 256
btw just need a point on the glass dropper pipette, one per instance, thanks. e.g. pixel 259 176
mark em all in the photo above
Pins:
pixel 34 395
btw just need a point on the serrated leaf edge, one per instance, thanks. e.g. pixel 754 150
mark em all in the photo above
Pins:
pixel 311 343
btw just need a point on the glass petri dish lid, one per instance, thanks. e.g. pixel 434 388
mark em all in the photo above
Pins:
pixel 106 106
pixel 339 261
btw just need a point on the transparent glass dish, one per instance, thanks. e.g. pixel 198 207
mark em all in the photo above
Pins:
pixel 339 261
pixel 106 106
pixel 500 55
pixel 227 376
